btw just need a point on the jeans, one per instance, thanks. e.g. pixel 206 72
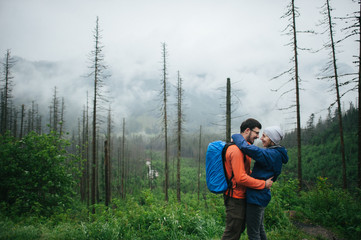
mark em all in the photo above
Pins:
pixel 235 218
pixel 255 228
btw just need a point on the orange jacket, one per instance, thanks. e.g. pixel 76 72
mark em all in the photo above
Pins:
pixel 241 171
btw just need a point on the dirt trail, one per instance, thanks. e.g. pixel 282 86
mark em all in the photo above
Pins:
pixel 312 229
pixel 316 231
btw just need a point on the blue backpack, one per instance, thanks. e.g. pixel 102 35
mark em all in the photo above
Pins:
pixel 217 181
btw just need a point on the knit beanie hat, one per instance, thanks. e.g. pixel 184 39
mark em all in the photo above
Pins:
pixel 274 133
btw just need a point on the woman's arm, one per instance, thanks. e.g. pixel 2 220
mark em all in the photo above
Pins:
pixel 261 155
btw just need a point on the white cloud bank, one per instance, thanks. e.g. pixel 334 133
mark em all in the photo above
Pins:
pixel 208 41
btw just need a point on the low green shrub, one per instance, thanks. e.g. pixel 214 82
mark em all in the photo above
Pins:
pixel 332 207
pixel 275 213
pixel 36 174
pixel 10 230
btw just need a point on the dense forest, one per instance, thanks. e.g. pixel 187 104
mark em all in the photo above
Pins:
pixel 321 149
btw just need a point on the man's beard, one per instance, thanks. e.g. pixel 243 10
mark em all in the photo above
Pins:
pixel 249 138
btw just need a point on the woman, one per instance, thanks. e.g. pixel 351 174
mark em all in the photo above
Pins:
pixel 268 163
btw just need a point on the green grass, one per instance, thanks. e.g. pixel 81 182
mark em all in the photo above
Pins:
pixel 148 216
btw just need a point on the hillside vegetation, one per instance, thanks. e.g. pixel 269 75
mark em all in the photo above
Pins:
pixel 321 154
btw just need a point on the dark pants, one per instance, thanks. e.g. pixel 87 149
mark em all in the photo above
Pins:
pixel 255 228
pixel 235 218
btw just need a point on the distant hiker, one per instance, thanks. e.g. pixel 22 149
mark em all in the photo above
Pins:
pixel 268 163
pixel 238 170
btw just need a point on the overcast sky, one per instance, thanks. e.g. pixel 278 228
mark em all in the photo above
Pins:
pixel 208 41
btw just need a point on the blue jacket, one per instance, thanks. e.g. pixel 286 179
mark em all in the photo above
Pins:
pixel 268 164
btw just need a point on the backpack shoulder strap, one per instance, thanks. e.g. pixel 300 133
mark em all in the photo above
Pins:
pixel 229 181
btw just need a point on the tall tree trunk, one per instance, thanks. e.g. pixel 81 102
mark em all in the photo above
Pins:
pixel 38 123
pixel 179 136
pixel 97 73
pixel 123 189
pixel 55 111
pixel 6 94
pixel 94 161
pixel 82 147
pixel 106 175
pixel 228 111
pixel 299 161
pixel 199 160
pixel 151 175
pixel 87 165
pixel 97 167
pixel 15 123
pixel 50 117
pixel 165 121
pixel 2 112
pixel 62 117
pixel 338 98
pixel 32 115
pixel 359 102
pixel 119 169
pixel 94 128
pixel 80 152
pixel 22 121
pixel 107 165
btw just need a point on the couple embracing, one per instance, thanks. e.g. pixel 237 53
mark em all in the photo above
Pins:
pixel 250 194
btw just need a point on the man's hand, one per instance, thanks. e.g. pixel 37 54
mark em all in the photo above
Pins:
pixel 269 183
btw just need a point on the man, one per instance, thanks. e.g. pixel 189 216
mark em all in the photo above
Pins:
pixel 269 161
pixel 238 170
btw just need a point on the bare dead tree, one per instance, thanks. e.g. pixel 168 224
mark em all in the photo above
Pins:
pixel 199 161
pixel 86 149
pixel 293 73
pixel 228 110
pixel 332 70
pixel 353 30
pixel 55 108
pixel 179 133
pixel 83 181
pixel 107 163
pixel 119 167
pixel 79 152
pixel 6 90
pixel 15 123
pixel 38 124
pixel 62 120
pixel 107 177
pixel 358 27
pixel 123 186
pixel 22 121
pixel 50 117
pixel 98 75
pixel 230 103
pixel 99 165
pixel 164 114
pixel 32 116
pixel 29 121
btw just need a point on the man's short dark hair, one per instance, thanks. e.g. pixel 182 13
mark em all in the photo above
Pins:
pixel 250 123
